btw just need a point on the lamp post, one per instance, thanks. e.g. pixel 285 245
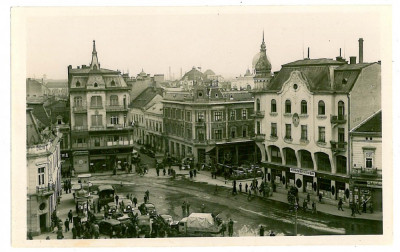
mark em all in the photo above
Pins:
pixel 296 206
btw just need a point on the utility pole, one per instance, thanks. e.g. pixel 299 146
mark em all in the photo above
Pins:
pixel 296 206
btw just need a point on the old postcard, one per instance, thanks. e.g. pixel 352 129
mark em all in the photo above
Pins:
pixel 201 126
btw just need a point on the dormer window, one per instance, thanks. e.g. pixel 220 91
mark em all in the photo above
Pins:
pixel 113 83
pixel 216 95
pixel 344 81
pixel 77 84
pixel 95 84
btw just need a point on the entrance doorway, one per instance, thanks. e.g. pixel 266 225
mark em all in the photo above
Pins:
pixel 42 219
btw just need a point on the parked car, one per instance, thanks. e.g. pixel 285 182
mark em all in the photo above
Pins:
pixel 151 210
pixel 128 205
pixel 107 226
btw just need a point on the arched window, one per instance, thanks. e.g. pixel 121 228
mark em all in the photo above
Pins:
pixel 273 106
pixel 304 107
pixel 95 84
pixel 112 83
pixel 321 108
pixel 77 84
pixel 288 107
pixel 233 132
pixel 78 101
pixel 113 100
pixel 340 110
pixel 258 105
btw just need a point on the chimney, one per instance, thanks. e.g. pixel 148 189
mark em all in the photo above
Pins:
pixel 360 50
pixel 308 53
pixel 353 60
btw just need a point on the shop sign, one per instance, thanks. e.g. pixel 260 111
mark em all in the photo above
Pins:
pixel 303 172
pixel 374 183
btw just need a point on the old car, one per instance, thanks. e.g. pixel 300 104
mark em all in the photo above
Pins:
pixel 127 205
pixel 107 226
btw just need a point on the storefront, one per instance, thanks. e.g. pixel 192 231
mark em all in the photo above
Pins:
pixel 371 191
pixel 108 159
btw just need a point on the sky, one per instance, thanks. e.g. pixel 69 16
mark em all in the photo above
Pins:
pixel 222 39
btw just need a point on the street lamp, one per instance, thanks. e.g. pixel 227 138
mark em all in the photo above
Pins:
pixel 296 206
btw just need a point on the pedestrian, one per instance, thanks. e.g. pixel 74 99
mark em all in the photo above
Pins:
pixel 158 171
pixel 187 208
pixel 70 215
pixel 353 211
pixel 256 183
pixel 116 199
pixel 234 192
pixel 364 206
pixel 164 171
pixel 246 187
pixel 134 200
pixel 240 186
pixel 223 229
pixel 203 207
pixel 60 235
pixel 73 233
pixel 305 205
pixel 190 174
pixel 145 199
pixel 320 198
pixel 340 204
pixel 314 207
pixel 148 194
pixel 230 227
pixel 308 197
pixel 194 172
pixel 271 233
pixel 66 224
pixel 184 209
pixel 96 231
pixel 261 230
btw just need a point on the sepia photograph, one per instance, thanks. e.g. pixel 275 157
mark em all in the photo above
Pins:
pixel 191 125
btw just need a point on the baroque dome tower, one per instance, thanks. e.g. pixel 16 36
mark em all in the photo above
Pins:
pixel 262 65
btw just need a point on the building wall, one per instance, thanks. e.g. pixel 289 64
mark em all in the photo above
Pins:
pixel 367 86
pixel 359 144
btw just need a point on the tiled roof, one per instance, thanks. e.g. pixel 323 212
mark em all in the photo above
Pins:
pixel 145 97
pixel 353 66
pixel 312 62
pixel 373 124
pixel 88 70
pixel 40 113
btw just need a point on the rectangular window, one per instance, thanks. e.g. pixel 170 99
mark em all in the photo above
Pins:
pixel 97 120
pixel 244 131
pixel 233 132
pixel 244 114
pixel 114 119
pixel 321 134
pixel 340 135
pixel 79 120
pixel 368 162
pixel 96 101
pixel 218 134
pixel 288 131
pixel 188 116
pixel 218 116
pixel 96 142
pixel 200 135
pixel 41 176
pixel 273 106
pixel 200 116
pixel 304 107
pixel 232 115
pixel 303 132
pixel 258 128
pixel 274 130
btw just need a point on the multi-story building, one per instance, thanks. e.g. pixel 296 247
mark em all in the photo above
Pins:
pixel 101 136
pixel 43 174
pixel 366 161
pixel 209 125
pixel 142 120
pixel 153 117
pixel 57 88
pixel 303 116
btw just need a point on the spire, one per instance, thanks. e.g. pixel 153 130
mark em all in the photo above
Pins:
pixel 95 61
pixel 263 47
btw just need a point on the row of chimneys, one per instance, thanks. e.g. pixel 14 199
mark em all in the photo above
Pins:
pixel 353 59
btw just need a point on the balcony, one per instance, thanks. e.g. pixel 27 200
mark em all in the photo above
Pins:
pixel 79 109
pixel 202 123
pixel 338 119
pixel 361 172
pixel 79 128
pixel 338 146
pixel 259 137
pixel 45 190
pixel 115 108
pixel 96 106
pixel 258 114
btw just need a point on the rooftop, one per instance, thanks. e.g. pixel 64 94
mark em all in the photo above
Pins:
pixel 372 125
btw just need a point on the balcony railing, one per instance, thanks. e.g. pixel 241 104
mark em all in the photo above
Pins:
pixel 79 109
pixel 259 137
pixel 79 128
pixel 338 119
pixel 258 114
pixel 45 190
pixel 338 146
pixel 96 106
pixel 366 172
pixel 116 108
